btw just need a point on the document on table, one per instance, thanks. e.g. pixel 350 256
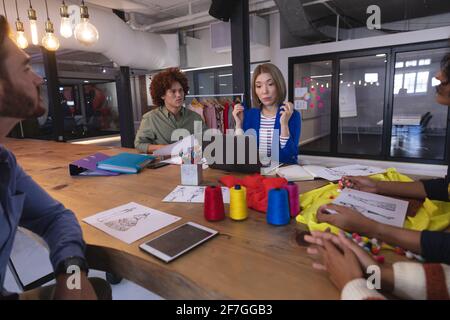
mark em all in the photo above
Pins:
pixel 175 160
pixel 334 174
pixel 298 173
pixel 382 209
pixel 174 149
pixel 131 221
pixel 193 194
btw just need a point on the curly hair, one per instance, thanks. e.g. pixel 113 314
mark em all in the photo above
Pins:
pixel 163 81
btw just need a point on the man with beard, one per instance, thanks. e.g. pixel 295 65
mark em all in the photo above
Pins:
pixel 23 202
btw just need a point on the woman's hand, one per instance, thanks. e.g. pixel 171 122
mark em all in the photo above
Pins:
pixel 347 219
pixel 286 113
pixel 334 257
pixel 238 115
pixel 360 183
pixel 341 241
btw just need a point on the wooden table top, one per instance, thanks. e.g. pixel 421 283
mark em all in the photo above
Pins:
pixel 247 260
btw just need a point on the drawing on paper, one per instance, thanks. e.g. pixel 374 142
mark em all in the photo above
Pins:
pixel 186 194
pixel 131 221
pixel 376 207
pixel 375 203
pixel 117 221
pixel 193 194
pixel 364 211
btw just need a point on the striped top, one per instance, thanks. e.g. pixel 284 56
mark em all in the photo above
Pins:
pixel 266 135
pixel 412 281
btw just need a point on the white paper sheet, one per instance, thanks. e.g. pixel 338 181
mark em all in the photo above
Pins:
pixel 193 194
pixel 300 105
pixel 294 173
pixel 313 169
pixel 178 161
pixel 383 209
pixel 175 148
pixel 174 160
pixel 131 221
pixel 334 174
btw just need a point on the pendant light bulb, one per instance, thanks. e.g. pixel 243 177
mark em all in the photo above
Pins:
pixel 32 17
pixel 66 26
pixel 50 41
pixel 21 40
pixel 85 32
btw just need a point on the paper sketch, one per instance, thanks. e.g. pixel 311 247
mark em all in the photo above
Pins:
pixel 131 222
pixel 193 194
pixel 334 174
pixel 117 222
pixel 379 208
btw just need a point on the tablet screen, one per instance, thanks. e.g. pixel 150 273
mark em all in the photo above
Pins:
pixel 179 240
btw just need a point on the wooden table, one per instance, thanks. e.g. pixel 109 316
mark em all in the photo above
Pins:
pixel 248 260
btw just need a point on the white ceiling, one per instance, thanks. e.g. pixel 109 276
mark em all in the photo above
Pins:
pixel 156 10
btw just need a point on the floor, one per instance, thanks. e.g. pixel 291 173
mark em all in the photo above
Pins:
pixel 408 145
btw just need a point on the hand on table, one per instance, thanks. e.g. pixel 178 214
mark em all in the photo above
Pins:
pixel 346 218
pixel 343 259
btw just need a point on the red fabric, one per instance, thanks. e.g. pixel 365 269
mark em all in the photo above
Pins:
pixel 258 188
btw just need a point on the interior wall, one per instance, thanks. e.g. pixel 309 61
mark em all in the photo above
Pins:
pixel 200 54
pixel 315 121
pixel 280 58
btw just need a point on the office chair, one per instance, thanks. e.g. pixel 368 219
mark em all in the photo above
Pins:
pixel 425 123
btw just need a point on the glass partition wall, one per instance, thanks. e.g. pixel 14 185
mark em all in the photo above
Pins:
pixel 90 109
pixel 373 104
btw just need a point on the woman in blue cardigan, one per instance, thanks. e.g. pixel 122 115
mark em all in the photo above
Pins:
pixel 272 118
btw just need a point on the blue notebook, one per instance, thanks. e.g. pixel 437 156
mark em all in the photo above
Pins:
pixel 125 163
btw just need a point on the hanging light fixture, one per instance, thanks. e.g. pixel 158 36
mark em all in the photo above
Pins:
pixel 21 40
pixel 49 41
pixel 85 32
pixel 32 17
pixel 66 26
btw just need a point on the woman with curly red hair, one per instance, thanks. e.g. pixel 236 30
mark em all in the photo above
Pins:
pixel 168 90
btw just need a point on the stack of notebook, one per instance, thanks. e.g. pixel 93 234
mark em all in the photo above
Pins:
pixel 102 165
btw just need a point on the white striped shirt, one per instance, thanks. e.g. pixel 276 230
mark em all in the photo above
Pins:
pixel 266 136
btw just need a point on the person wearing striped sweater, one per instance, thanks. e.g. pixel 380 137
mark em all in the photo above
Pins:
pixel 347 263
pixel 276 123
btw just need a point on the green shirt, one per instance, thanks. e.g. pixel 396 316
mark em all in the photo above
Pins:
pixel 157 126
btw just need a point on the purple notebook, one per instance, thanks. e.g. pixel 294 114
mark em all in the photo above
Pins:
pixel 88 166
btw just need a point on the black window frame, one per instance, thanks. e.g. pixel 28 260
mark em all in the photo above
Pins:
pixel 195 88
pixel 335 58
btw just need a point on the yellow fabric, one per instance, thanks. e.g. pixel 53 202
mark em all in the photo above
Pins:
pixel 433 215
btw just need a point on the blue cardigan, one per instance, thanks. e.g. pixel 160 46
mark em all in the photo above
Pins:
pixel 288 154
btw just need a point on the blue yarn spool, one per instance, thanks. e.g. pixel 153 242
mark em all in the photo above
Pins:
pixel 278 207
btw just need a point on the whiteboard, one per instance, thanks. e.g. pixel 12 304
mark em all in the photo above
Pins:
pixel 347 101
